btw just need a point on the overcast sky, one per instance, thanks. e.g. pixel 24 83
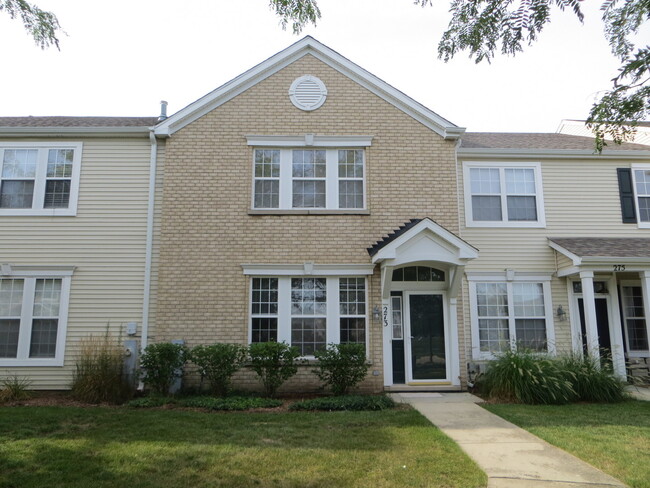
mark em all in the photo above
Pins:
pixel 124 59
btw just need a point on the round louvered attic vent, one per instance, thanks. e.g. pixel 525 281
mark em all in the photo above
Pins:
pixel 307 93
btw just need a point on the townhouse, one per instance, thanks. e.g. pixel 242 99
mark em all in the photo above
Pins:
pixel 308 201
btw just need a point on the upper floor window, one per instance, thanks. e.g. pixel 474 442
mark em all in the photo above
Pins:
pixel 503 195
pixel 39 179
pixel 33 316
pixel 641 177
pixel 302 179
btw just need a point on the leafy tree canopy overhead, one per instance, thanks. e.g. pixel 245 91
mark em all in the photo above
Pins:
pixel 485 28
pixel 41 25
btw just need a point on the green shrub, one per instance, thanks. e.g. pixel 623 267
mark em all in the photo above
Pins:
pixel 217 363
pixel 349 402
pixel 149 402
pixel 592 379
pixel 228 403
pixel 100 374
pixel 274 362
pixel 527 377
pixel 341 366
pixel 14 388
pixel 162 364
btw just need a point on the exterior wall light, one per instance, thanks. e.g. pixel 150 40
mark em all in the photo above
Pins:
pixel 560 313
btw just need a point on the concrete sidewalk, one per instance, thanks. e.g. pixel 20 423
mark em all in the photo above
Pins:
pixel 510 456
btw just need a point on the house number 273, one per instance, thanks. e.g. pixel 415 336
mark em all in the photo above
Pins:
pixel 619 267
pixel 384 314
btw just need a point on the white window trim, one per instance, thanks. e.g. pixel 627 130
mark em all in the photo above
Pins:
pixel 636 167
pixel 39 187
pixel 630 353
pixel 286 180
pixel 508 278
pixel 333 316
pixel 30 277
pixel 307 269
pixel 539 194
pixel 309 140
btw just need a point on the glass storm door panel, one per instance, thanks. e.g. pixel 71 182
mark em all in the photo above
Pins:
pixel 428 355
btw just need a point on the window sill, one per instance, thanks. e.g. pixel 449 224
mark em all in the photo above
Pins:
pixel 28 363
pixel 506 225
pixel 316 211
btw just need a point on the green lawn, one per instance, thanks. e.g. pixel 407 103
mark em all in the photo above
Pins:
pixel 612 437
pixel 117 447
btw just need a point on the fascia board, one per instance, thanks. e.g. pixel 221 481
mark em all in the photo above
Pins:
pixel 551 153
pixel 573 257
pixel 275 63
pixel 592 260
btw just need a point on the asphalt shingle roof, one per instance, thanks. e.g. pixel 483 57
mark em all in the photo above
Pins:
pixel 374 249
pixel 619 247
pixel 515 140
pixel 32 121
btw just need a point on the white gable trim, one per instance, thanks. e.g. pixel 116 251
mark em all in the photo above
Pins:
pixel 308 45
pixel 462 249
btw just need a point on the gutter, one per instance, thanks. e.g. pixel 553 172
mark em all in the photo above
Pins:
pixel 551 153
pixel 135 131
pixel 149 242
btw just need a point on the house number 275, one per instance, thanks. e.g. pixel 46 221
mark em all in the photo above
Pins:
pixel 619 267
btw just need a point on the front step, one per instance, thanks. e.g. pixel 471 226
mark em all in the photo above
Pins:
pixel 424 388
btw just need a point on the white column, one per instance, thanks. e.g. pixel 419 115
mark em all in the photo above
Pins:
pixel 589 300
pixel 615 331
pixel 645 289
pixel 454 357
pixel 387 342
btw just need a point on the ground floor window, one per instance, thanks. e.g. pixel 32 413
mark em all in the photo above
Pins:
pixel 33 312
pixel 309 312
pixel 635 319
pixel 508 314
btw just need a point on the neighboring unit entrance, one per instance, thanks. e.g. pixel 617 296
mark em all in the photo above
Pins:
pixel 602 323
pixel 425 334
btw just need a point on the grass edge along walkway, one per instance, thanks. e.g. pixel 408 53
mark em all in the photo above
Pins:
pixel 614 438
pixel 113 447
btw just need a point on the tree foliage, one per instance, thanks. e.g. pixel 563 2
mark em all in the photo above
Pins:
pixel 43 26
pixel 485 28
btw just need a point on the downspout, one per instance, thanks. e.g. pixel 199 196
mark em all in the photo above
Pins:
pixel 149 243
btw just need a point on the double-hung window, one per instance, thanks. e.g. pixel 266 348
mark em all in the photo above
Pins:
pixel 309 178
pixel 39 178
pixel 33 317
pixel 503 195
pixel 510 314
pixel 634 315
pixel 641 178
pixel 309 312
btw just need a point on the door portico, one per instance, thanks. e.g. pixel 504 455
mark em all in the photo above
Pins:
pixel 421 272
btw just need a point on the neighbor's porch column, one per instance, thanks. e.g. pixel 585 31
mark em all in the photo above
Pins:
pixel 645 289
pixel 589 300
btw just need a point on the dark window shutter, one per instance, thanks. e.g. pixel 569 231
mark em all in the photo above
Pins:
pixel 628 209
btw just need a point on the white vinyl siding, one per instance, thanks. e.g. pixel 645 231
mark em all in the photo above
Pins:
pixel 105 242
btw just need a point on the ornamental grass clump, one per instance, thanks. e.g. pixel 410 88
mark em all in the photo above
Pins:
pixel 163 364
pixel 100 374
pixel 217 364
pixel 341 366
pixel 527 377
pixel 14 388
pixel 274 363
pixel 593 379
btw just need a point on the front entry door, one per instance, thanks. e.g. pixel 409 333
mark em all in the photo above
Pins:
pixel 602 323
pixel 426 355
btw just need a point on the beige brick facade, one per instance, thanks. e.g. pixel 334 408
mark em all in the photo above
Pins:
pixel 207 232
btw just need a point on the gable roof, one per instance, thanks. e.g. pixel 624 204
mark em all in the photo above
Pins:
pixel 389 246
pixel 308 46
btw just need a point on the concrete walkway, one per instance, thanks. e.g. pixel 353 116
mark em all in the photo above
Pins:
pixel 510 456
pixel 639 392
